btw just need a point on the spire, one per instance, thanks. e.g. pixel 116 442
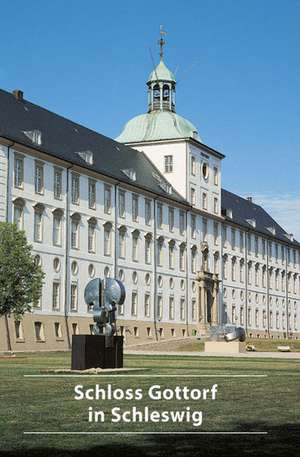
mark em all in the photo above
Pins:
pixel 161 83
pixel 161 41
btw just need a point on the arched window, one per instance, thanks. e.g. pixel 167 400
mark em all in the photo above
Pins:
pixel 38 222
pixel 148 241
pixel 242 270
pixel 92 234
pixel 172 254
pixel 135 245
pixel 160 245
pixel 194 259
pixel 57 226
pixel 233 268
pixel 166 93
pixel 182 256
pixel 122 241
pixel 107 238
pixel 75 221
pixel 19 205
pixel 156 93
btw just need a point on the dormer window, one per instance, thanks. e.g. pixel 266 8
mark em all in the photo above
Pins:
pixel 251 222
pixel 272 230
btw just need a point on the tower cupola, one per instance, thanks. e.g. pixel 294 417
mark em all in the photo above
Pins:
pixel 161 84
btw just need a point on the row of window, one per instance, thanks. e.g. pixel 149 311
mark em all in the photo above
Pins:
pixel 39 331
pixel 280 318
pixel 260 276
pixel 256 246
pixel 204 200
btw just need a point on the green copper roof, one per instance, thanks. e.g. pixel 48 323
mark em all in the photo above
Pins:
pixel 161 73
pixel 157 125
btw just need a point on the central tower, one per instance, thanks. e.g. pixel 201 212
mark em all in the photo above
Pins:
pixel 173 144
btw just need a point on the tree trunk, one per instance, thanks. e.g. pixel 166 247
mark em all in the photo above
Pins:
pixel 7 333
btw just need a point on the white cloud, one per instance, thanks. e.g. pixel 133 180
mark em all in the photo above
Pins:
pixel 284 208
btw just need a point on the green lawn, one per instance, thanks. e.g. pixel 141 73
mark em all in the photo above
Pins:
pixel 243 404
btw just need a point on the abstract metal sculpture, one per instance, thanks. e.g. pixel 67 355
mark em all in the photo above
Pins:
pixel 104 296
pixel 227 332
pixel 103 348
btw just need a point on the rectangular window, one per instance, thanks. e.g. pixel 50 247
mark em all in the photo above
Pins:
pixel 160 253
pixel 204 228
pixel 122 244
pixel 171 308
pixel 256 246
pixel 216 176
pixel 171 256
pixel 134 303
pixel 171 219
pixel 194 309
pixel 135 241
pixel 75 189
pixel 193 165
pixel 56 295
pixel 39 331
pixel 263 248
pixel 57 230
pixel 92 194
pixel 241 241
pixel 135 208
pixel 19 216
pixel 147 250
pixel 224 236
pixel 249 243
pixel 19 172
pixel 75 234
pixel 216 233
pixel 57 184
pixel 57 330
pixel 193 196
pixel 168 164
pixel 147 305
pixel 233 239
pixel 182 259
pixel 19 330
pixel 182 309
pixel 91 237
pixel 121 203
pixel 39 178
pixel 182 222
pixel 107 199
pixel 38 227
pixel 74 297
pixel 159 307
pixel 204 200
pixel 159 215
pixel 193 226
pixel 216 206
pixel 147 211
pixel 107 241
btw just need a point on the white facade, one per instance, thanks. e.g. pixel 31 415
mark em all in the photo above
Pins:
pixel 83 224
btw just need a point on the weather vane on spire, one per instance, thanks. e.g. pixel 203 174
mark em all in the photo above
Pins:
pixel 161 41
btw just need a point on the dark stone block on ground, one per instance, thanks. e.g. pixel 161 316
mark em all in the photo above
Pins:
pixel 90 351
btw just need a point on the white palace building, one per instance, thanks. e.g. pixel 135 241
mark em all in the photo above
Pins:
pixel 147 208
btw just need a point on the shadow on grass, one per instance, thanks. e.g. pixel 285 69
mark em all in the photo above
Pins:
pixel 281 440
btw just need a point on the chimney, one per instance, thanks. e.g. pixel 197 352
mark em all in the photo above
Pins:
pixel 249 199
pixel 18 94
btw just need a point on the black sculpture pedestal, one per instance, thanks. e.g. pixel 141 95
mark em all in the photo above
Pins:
pixel 90 351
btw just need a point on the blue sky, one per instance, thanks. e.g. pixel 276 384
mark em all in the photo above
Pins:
pixel 238 67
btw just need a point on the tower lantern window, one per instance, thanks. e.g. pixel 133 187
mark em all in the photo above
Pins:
pixel 166 93
pixel 156 92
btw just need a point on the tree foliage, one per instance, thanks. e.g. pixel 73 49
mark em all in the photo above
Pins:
pixel 20 277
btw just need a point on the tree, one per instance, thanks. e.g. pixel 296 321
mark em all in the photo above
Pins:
pixel 20 277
